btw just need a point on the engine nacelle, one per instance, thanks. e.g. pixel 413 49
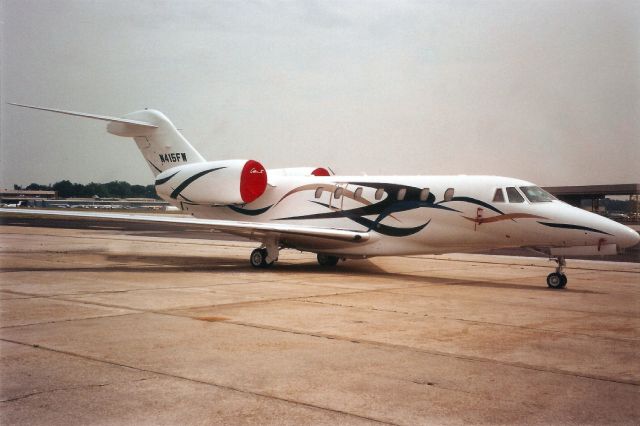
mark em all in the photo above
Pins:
pixel 214 182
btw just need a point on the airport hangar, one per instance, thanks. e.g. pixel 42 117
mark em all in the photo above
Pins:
pixel 574 195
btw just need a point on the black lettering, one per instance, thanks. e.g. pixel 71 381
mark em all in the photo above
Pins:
pixel 184 156
pixel 173 157
pixel 161 159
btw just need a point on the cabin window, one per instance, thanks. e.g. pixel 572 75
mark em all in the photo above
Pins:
pixel 424 194
pixel 379 193
pixel 514 195
pixel 448 194
pixel 319 192
pixel 401 193
pixel 338 193
pixel 536 194
pixel 357 193
pixel 498 197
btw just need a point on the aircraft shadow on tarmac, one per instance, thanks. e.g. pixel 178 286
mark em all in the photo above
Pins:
pixel 358 268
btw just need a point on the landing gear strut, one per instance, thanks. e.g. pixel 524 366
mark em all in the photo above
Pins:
pixel 558 279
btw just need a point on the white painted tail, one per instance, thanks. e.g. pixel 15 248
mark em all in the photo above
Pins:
pixel 161 145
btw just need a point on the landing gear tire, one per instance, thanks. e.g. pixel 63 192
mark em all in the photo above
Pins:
pixel 556 280
pixel 327 260
pixel 258 258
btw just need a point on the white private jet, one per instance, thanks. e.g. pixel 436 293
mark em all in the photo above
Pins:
pixel 343 217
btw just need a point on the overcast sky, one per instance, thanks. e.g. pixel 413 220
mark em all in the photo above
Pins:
pixel 547 91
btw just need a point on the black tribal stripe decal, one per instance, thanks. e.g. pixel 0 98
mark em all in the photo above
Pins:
pixel 375 225
pixel 391 231
pixel 570 226
pixel 248 212
pixel 166 179
pixel 154 166
pixel 190 180
pixel 381 209
pixel 475 201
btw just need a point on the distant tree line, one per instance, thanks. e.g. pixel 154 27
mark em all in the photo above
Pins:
pixel 114 189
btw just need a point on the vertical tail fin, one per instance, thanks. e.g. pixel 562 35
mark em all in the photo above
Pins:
pixel 162 145
pixel 159 141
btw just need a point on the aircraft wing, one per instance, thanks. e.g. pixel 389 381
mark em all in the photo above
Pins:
pixel 251 230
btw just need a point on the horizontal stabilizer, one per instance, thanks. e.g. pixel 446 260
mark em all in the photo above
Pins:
pixel 93 116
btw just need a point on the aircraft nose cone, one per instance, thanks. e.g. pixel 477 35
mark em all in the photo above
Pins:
pixel 627 237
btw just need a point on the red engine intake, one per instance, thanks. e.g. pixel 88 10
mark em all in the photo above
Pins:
pixel 253 181
pixel 321 171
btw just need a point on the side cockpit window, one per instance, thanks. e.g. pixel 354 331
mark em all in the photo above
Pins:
pixel 536 194
pixel 498 197
pixel 514 195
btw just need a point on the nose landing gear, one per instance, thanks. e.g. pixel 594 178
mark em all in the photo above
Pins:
pixel 558 279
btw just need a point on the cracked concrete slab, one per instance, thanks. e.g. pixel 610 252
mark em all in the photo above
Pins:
pixel 534 347
pixel 204 338
pixel 16 312
pixel 85 391
pixel 162 299
pixel 609 324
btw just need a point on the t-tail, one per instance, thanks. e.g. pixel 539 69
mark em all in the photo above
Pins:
pixel 161 144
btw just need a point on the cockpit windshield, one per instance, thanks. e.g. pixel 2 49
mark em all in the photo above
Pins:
pixel 536 194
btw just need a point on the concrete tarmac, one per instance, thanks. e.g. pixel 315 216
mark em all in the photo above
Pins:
pixel 105 327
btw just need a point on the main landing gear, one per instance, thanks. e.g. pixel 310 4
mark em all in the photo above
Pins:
pixel 258 258
pixel 558 279
pixel 327 260
pixel 265 256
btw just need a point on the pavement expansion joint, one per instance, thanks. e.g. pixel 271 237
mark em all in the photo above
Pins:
pixel 436 353
pixel 89 386
pixel 521 304
pixel 573 268
pixel 68 320
pixel 497 324
pixel 203 382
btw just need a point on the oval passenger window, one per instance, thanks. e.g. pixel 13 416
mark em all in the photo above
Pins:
pixel 448 194
pixel 402 193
